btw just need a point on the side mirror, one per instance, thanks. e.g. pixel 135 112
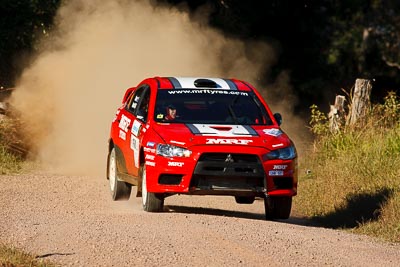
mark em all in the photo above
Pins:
pixel 278 118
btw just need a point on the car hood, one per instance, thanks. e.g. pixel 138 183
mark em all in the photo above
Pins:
pixel 187 135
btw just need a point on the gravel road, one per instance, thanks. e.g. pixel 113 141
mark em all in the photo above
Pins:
pixel 71 220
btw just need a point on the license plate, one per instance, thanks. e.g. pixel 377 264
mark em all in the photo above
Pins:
pixel 275 173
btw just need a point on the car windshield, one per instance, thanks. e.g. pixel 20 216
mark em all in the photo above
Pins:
pixel 211 106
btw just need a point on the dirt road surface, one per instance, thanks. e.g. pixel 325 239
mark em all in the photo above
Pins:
pixel 72 221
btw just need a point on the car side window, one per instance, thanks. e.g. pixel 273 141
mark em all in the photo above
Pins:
pixel 135 99
pixel 143 106
pixel 139 102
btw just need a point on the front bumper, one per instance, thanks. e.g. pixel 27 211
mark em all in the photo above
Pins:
pixel 223 171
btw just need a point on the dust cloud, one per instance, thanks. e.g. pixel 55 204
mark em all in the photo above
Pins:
pixel 69 93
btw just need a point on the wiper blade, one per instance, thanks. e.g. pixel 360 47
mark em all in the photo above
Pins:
pixel 235 120
pixel 231 112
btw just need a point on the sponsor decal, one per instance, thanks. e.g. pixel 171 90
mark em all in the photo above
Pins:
pixel 160 116
pixel 277 145
pixel 273 132
pixel 175 164
pixel 225 131
pixel 280 167
pixel 275 173
pixel 150 150
pixel 206 91
pixel 135 148
pixel 134 142
pixel 124 123
pixel 178 143
pixel 150 144
pixel 136 127
pixel 122 135
pixel 150 163
pixel 150 157
pixel 228 141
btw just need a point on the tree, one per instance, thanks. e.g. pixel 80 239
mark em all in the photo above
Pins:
pixel 22 22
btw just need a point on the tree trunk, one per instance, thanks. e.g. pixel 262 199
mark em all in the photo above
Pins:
pixel 361 102
pixel 337 115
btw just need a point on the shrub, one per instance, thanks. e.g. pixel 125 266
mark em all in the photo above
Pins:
pixel 10 146
pixel 352 180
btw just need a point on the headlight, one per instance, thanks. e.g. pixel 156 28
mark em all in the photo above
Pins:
pixel 283 153
pixel 172 151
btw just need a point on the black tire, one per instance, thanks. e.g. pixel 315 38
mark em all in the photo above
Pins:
pixel 119 189
pixel 245 200
pixel 277 207
pixel 151 202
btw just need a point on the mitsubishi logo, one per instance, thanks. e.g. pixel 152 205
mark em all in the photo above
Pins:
pixel 229 158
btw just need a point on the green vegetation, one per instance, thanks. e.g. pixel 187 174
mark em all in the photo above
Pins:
pixel 23 24
pixel 9 162
pixel 351 180
pixel 324 45
pixel 11 257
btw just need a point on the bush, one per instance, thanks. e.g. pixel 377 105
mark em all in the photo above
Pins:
pixel 9 163
pixel 10 146
pixel 353 178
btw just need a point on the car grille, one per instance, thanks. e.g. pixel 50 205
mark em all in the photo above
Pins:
pixel 227 171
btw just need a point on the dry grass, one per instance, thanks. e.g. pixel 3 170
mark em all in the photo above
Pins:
pixel 353 176
pixel 11 257
pixel 12 150
pixel 9 163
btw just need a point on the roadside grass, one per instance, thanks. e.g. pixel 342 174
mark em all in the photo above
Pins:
pixel 351 180
pixel 12 257
pixel 9 162
pixel 12 164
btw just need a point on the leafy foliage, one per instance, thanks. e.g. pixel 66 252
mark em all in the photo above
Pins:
pixel 22 22
pixel 352 178
pixel 318 122
pixel 324 44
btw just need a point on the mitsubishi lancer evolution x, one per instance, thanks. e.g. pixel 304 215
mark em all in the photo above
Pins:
pixel 200 136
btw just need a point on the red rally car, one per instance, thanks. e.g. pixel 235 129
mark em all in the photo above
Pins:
pixel 200 136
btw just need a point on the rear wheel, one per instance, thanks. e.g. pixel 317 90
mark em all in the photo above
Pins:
pixel 119 189
pixel 244 200
pixel 277 207
pixel 151 202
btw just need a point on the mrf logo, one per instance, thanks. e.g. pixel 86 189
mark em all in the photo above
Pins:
pixel 228 141
pixel 280 167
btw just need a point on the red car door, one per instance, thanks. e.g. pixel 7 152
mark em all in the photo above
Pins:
pixel 135 116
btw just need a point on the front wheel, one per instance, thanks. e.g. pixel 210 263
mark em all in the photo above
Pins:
pixel 277 207
pixel 119 189
pixel 151 202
